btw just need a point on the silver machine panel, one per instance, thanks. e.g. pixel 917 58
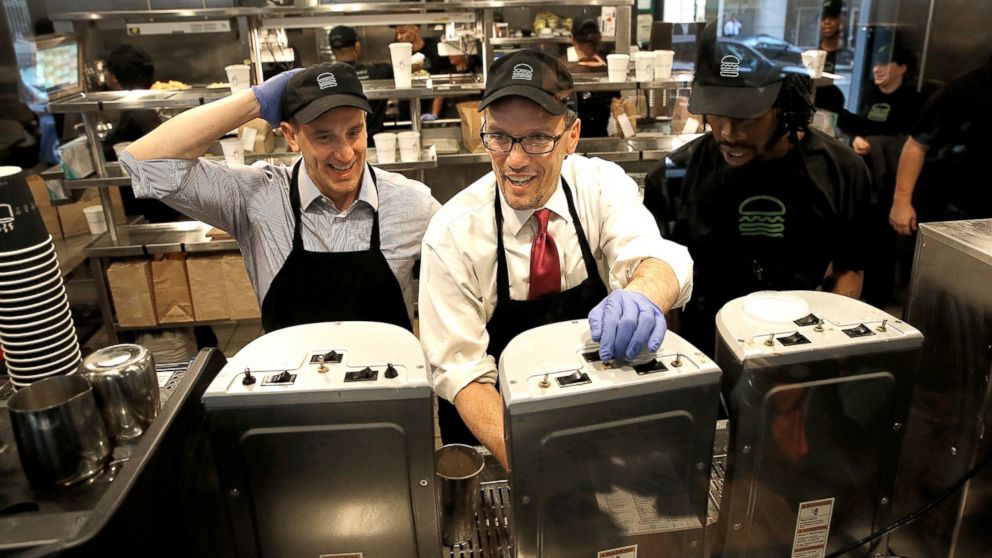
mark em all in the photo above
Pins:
pixel 323 435
pixel 950 300
pixel 818 388
pixel 607 456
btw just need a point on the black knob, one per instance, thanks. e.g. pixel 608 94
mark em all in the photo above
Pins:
pixel 248 379
pixel 390 371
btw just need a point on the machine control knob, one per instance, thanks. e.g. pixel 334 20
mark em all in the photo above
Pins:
pixel 391 371
pixel 283 377
pixel 248 379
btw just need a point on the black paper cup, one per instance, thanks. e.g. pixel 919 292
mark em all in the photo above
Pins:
pixel 31 306
pixel 31 275
pixel 21 225
pixel 49 356
pixel 50 307
pixel 46 338
pixel 43 292
pixel 39 284
pixel 44 370
pixel 19 262
pixel 38 321
pixel 30 334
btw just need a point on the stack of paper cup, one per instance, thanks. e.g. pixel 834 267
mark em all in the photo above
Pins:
pixel 36 328
pixel 94 218
pixel 814 60
pixel 234 151
pixel 238 77
pixel 644 66
pixel 385 147
pixel 616 66
pixel 409 146
pixel 401 54
pixel 663 60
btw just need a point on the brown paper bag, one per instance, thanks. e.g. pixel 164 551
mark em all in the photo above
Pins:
pixel 241 301
pixel 130 284
pixel 684 122
pixel 471 126
pixel 74 221
pixel 264 140
pixel 173 303
pixel 206 287
pixel 50 215
pixel 624 113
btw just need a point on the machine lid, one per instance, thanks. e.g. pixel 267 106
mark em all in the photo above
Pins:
pixel 775 306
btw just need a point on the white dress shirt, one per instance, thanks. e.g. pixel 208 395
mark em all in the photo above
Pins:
pixel 458 269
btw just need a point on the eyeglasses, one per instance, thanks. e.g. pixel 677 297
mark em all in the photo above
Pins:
pixel 534 144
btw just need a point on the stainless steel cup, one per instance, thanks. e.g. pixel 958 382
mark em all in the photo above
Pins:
pixel 60 436
pixel 458 469
pixel 126 386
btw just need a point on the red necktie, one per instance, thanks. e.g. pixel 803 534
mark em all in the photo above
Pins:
pixel 545 270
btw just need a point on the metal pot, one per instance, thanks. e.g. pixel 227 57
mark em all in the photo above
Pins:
pixel 126 387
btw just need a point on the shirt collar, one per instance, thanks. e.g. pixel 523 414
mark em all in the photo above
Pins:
pixel 515 219
pixel 309 192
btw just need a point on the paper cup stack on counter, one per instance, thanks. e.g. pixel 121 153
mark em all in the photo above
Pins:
pixel 36 328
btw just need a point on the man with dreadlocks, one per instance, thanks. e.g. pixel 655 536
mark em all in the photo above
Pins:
pixel 766 202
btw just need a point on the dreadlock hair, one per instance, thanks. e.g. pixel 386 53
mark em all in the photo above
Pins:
pixel 795 107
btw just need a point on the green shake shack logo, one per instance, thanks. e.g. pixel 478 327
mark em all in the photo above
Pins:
pixel 761 216
pixel 880 112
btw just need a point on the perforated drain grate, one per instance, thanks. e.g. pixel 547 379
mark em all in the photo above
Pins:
pixel 492 534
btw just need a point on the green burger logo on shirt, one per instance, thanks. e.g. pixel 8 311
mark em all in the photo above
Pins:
pixel 761 216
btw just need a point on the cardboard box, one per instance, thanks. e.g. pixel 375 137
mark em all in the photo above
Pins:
pixel 207 287
pixel 74 221
pixel 173 303
pixel 241 301
pixel 130 283
pixel 50 215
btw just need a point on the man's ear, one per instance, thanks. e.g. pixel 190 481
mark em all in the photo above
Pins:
pixel 573 137
pixel 289 132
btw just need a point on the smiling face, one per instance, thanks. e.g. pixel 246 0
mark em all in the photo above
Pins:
pixel 829 26
pixel 333 147
pixel 528 181
pixel 742 141
pixel 888 76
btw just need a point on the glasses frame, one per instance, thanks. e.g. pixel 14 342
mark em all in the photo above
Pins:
pixel 520 139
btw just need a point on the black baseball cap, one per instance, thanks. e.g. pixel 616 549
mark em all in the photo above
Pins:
pixel 889 52
pixel 320 88
pixel 342 36
pixel 534 75
pixel 832 8
pixel 731 80
pixel 586 30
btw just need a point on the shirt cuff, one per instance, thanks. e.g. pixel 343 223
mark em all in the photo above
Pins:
pixel 451 380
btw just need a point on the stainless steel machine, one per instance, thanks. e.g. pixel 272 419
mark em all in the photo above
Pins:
pixel 950 300
pixel 607 459
pixel 818 388
pixel 323 436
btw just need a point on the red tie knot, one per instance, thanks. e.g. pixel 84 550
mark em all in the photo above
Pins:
pixel 542 216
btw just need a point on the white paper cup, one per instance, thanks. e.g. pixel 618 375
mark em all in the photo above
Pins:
pixel 238 76
pixel 663 63
pixel 234 151
pixel 400 54
pixel 385 147
pixel 644 66
pixel 814 61
pixel 616 65
pixel 409 146
pixel 94 218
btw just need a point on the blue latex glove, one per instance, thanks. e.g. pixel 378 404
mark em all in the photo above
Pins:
pixel 624 322
pixel 428 117
pixel 269 95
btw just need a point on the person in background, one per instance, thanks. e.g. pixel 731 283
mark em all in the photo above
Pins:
pixel 128 67
pixel 732 27
pixel 433 63
pixel 594 107
pixel 832 36
pixel 952 138
pixel 889 107
pixel 347 49
pixel 766 202
pixel 331 238
pixel 547 236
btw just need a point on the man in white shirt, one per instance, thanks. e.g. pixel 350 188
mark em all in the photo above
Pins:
pixel 732 27
pixel 567 231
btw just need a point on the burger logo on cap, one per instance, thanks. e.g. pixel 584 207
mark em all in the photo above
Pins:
pixel 761 216
pixel 326 80
pixel 730 66
pixel 523 71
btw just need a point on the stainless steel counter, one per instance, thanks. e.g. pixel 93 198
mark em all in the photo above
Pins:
pixel 160 238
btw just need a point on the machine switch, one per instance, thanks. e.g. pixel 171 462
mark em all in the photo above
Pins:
pixel 329 358
pixel 592 356
pixel 364 375
pixel 390 372
pixel 248 379
pixel 860 331
pixel 807 321
pixel 576 378
pixel 794 339
pixel 650 367
pixel 280 379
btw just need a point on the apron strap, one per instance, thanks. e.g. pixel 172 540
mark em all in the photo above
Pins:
pixel 294 203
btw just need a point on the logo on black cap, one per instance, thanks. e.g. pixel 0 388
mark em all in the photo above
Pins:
pixel 730 66
pixel 523 71
pixel 326 80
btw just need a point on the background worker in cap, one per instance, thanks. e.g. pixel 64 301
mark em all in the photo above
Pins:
pixel 594 107
pixel 347 49
pixel 547 236
pixel 330 238
pixel 766 201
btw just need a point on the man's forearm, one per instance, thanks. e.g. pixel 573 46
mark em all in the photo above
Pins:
pixel 656 280
pixel 910 166
pixel 188 135
pixel 481 407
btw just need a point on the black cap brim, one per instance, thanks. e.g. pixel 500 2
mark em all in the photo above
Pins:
pixel 733 102
pixel 312 111
pixel 539 96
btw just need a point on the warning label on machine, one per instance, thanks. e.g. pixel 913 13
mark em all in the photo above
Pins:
pixel 622 552
pixel 812 528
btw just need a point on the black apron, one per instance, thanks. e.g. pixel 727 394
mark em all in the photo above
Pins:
pixel 333 286
pixel 513 317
